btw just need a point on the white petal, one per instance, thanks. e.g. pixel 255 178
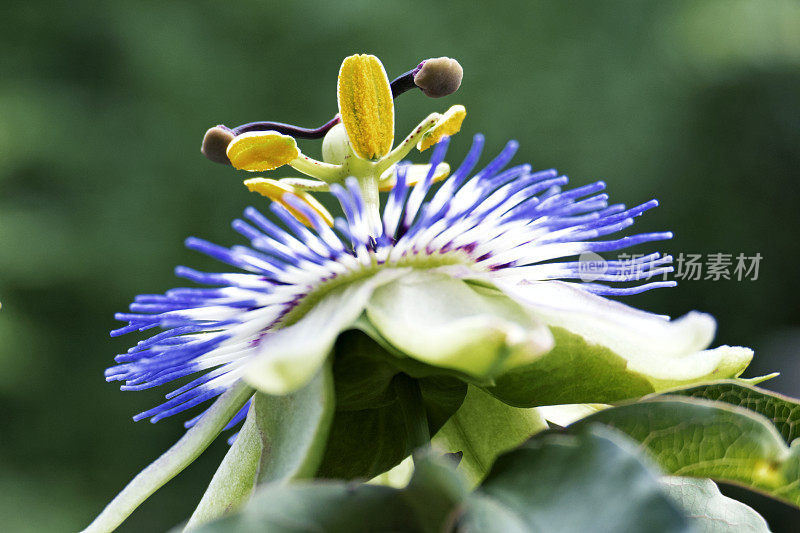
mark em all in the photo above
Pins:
pixel 667 352
pixel 445 322
pixel 289 357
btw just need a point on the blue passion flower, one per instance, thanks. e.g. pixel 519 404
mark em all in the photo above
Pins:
pixel 479 275
pixel 513 226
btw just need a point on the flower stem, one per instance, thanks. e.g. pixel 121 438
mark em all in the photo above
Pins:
pixel 174 460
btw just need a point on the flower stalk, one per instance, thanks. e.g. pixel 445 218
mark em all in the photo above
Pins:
pixel 174 460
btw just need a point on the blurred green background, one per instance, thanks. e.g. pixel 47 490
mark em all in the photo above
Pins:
pixel 103 106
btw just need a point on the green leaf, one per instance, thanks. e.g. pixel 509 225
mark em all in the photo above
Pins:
pixel 782 411
pixel 701 438
pixel 483 428
pixel 368 442
pixel 427 504
pixel 334 507
pixel 295 428
pixel 594 481
pixel 448 323
pixel 289 356
pixel 606 351
pixel 708 510
pixel 235 478
pixel 435 491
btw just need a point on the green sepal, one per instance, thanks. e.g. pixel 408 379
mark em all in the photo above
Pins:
pixel 363 373
pixel 235 478
pixel 368 442
pixel 283 438
pixel 606 351
pixel 382 413
pixel 483 428
pixel 364 368
pixel 295 429
pixel 574 371
pixel 442 396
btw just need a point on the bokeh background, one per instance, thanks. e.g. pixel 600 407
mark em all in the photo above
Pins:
pixel 103 106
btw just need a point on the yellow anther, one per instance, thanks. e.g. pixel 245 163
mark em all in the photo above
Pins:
pixel 275 191
pixel 448 124
pixel 414 174
pixel 259 151
pixel 366 106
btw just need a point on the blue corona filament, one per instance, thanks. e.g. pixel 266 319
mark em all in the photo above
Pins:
pixel 504 222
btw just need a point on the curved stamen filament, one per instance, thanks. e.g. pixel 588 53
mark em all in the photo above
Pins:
pixel 288 129
pixel 405 82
